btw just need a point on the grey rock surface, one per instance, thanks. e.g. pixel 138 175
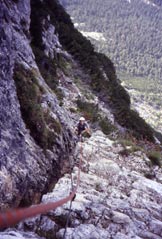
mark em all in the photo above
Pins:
pixel 14 234
pixel 25 171
pixel 114 200
pixel 84 231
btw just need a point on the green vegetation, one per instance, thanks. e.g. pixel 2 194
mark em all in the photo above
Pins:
pixel 100 68
pixel 89 110
pixel 126 142
pixel 72 110
pixel 43 128
pixel 132 32
pixel 129 144
pixel 106 126
pixel 150 92
pixel 155 157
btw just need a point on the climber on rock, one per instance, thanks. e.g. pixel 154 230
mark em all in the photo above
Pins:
pixel 82 128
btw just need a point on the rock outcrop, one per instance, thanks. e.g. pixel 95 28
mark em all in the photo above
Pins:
pixel 114 200
pixel 27 163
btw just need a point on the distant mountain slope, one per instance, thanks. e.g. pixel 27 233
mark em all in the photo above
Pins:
pixel 129 33
pixel 132 30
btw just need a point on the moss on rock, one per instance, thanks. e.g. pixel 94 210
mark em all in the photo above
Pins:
pixel 43 127
pixel 106 126
pixel 155 157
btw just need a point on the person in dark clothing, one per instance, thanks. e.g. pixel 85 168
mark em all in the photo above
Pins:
pixel 82 127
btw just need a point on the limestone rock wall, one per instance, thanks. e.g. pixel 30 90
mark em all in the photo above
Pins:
pixel 25 168
pixel 114 199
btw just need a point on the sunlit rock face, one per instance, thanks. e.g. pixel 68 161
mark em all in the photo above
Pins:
pixel 114 199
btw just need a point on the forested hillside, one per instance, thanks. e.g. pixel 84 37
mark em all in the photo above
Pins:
pixel 130 34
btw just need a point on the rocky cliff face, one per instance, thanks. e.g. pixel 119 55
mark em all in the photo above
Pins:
pixel 35 131
pixel 50 75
